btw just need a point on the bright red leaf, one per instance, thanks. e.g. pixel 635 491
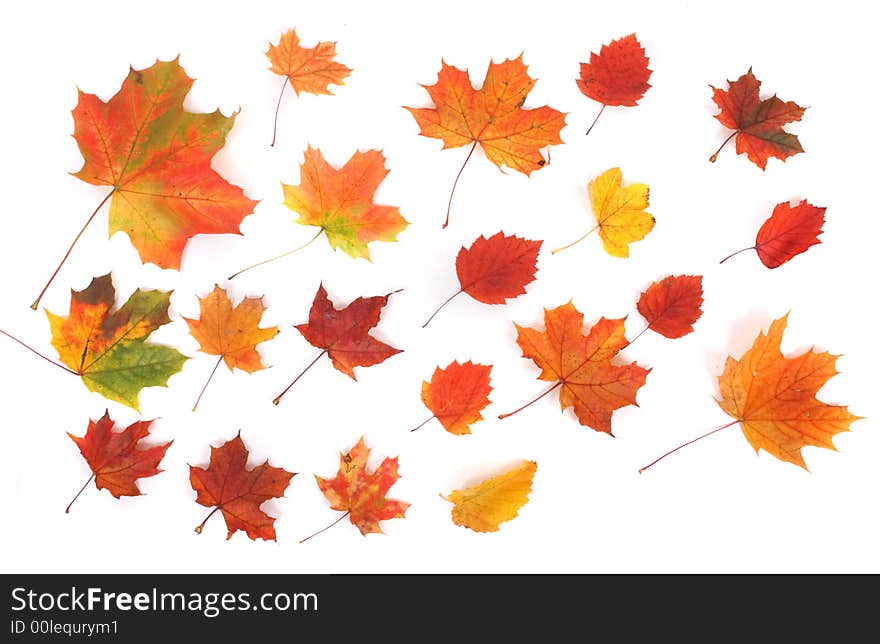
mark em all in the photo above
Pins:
pixel 117 458
pixel 789 231
pixel 227 485
pixel 496 269
pixel 672 305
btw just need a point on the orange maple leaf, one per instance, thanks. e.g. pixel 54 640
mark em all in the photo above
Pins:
pixel 232 333
pixel 116 458
pixel 581 365
pixel 492 116
pixel 361 494
pixel 156 158
pixel 773 398
pixel 307 69
pixel 457 394
pixel 227 485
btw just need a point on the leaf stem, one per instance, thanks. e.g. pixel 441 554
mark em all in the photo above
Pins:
pixel 301 374
pixel 714 157
pixel 201 526
pixel 272 259
pixel 202 392
pixel 420 425
pixel 70 250
pixel 737 253
pixel 452 297
pixel 672 451
pixel 590 129
pixel 325 529
pixel 34 351
pixel 83 489
pixel 531 402
pixel 637 336
pixel 277 108
pixel 455 183
pixel 578 240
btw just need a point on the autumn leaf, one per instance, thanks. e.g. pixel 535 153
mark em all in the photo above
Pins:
pixel 361 493
pixel 617 75
pixel 672 305
pixel 773 398
pixel 485 506
pixel 757 124
pixel 457 394
pixel 340 204
pixel 788 232
pixel 581 366
pixel 237 492
pixel 232 333
pixel 156 158
pixel 492 116
pixel 620 213
pixel 306 69
pixel 108 347
pixel 495 270
pixel 117 458
pixel 344 334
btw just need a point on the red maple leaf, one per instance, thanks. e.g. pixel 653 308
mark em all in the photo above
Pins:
pixel 757 123
pixel 617 75
pixel 495 270
pixel 227 485
pixel 672 305
pixel 344 334
pixel 116 458
pixel 789 231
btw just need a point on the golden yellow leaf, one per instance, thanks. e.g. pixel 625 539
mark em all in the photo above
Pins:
pixel 496 500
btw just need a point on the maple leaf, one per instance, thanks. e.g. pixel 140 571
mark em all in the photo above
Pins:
pixel 620 213
pixel 307 69
pixel 672 305
pixel 617 75
pixel 789 231
pixel 496 500
pixel 361 494
pixel 757 124
pixel 773 398
pixel 108 348
pixel 457 394
pixel 232 333
pixel 340 204
pixel 581 365
pixel 344 334
pixel 495 270
pixel 116 458
pixel 237 492
pixel 156 157
pixel 492 116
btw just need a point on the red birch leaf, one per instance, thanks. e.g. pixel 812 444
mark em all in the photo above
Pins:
pixel 457 394
pixel 496 269
pixel 617 75
pixel 672 305
pixel 360 493
pixel 227 485
pixel 789 231
pixel 344 334
pixel 117 458
pixel 757 124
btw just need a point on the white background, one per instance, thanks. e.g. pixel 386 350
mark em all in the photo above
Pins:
pixel 714 507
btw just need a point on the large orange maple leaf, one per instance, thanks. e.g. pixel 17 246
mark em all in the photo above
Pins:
pixel 581 365
pixel 156 158
pixel 492 116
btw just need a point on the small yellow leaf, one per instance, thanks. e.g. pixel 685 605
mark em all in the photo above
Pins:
pixel 620 212
pixel 484 506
